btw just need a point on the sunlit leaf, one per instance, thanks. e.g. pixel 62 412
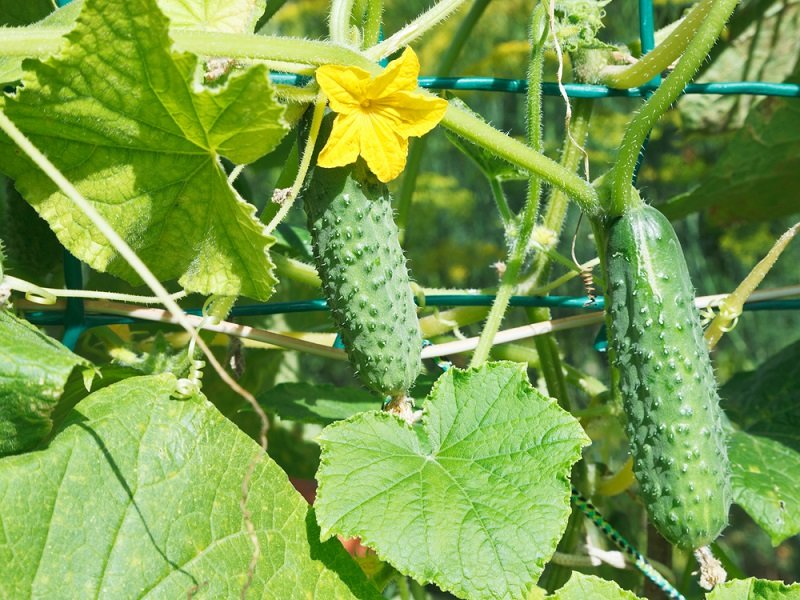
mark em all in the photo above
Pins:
pixel 139 494
pixel 131 125
pixel 474 499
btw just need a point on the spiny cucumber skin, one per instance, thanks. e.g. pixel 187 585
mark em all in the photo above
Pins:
pixel 666 381
pixel 364 276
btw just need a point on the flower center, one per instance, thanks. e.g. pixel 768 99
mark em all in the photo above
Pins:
pixel 365 103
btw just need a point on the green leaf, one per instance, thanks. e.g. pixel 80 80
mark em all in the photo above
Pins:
pixel 145 150
pixel 321 404
pixel 474 499
pixel 764 402
pixel 766 483
pixel 231 16
pixel 33 371
pixel 755 178
pixel 589 587
pixel 755 589
pixel 765 455
pixel 138 494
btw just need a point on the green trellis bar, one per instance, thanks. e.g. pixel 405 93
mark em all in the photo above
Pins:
pixel 583 90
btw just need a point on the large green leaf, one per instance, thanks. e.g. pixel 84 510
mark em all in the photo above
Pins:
pixel 132 126
pixel 33 371
pixel 765 455
pixel 757 176
pixel 755 589
pixel 139 495
pixel 474 499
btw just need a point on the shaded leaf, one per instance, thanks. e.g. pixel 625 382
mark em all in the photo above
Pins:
pixel 138 494
pixel 474 499
pixel 766 483
pixel 765 455
pixel 33 372
pixel 757 176
pixel 321 404
pixel 755 589
pixel 149 158
pixel 765 401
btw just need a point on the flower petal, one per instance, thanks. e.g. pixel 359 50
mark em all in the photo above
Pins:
pixel 412 113
pixel 342 147
pixel 345 87
pixel 384 150
pixel 401 74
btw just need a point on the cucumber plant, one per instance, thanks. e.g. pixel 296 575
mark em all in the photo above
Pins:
pixel 474 495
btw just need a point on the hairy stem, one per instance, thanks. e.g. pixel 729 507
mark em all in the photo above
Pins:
pixel 341 10
pixel 372 22
pixel 477 131
pixel 696 52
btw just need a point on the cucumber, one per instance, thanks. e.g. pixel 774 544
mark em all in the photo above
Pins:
pixel 667 383
pixel 364 275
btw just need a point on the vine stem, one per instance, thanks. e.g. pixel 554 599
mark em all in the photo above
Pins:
pixel 477 131
pixel 663 55
pixel 45 295
pixel 372 22
pixel 672 87
pixel 521 243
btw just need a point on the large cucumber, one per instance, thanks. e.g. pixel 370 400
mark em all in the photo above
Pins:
pixel 364 275
pixel 666 380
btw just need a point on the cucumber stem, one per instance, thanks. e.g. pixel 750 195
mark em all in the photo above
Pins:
pixel 672 87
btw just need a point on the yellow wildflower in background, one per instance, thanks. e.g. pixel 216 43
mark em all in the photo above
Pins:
pixel 376 116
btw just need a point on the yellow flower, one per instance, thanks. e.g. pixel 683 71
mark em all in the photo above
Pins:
pixel 376 116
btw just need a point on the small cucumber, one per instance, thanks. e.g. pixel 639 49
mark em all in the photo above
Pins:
pixel 666 380
pixel 364 275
